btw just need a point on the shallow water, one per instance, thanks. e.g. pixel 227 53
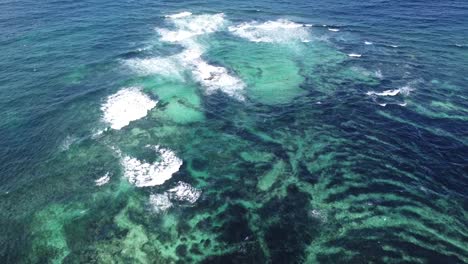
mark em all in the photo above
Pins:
pixel 246 132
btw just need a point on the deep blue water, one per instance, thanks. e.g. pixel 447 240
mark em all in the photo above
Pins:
pixel 306 155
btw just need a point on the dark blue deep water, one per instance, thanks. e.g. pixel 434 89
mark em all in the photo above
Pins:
pixel 233 131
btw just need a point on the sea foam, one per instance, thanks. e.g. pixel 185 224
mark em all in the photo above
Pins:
pixel 385 93
pixel 179 15
pixel 185 32
pixel 160 202
pixel 354 55
pixel 187 29
pixel 189 26
pixel 126 105
pixel 280 30
pixel 184 192
pixel 167 67
pixel 405 90
pixel 103 180
pixel 215 78
pixel 143 174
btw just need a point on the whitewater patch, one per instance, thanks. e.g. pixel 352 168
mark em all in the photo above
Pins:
pixel 184 192
pixel 143 174
pixel 384 93
pixel 167 67
pixel 67 142
pixel 354 55
pixel 406 90
pixel 103 180
pixel 368 43
pixel 179 15
pixel 378 97
pixel 403 91
pixel 98 132
pixel 215 78
pixel 188 26
pixel 378 74
pixel 126 105
pixel 212 78
pixel 385 104
pixel 160 202
pixel 279 31
pixel 333 29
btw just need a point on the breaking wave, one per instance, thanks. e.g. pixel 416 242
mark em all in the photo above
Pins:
pixel 187 29
pixel 405 90
pixel 280 30
pixel 126 105
pixel 143 174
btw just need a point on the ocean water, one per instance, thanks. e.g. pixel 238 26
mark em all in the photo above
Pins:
pixel 233 131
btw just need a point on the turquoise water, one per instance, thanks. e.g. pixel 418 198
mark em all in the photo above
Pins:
pixel 246 132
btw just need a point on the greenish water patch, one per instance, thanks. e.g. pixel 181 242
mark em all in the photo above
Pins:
pixel 275 82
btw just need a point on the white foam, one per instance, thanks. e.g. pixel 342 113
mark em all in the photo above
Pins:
pixel 215 78
pixel 126 105
pixel 378 74
pixel 406 90
pixel 179 15
pixel 280 30
pixel 394 46
pixel 403 90
pixel 103 180
pixel 167 67
pixel 333 29
pixel 148 47
pixel 184 192
pixel 193 51
pixel 160 202
pixel 318 214
pixel 212 78
pixel 97 132
pixel 67 142
pixel 385 93
pixel 187 29
pixel 143 174
pixel 174 36
pixel 400 104
pixel 190 26
pixel 354 55
pixel 368 43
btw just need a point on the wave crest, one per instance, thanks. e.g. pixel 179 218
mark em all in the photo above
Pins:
pixel 126 105
pixel 189 26
pixel 212 78
pixel 143 174
pixel 280 30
